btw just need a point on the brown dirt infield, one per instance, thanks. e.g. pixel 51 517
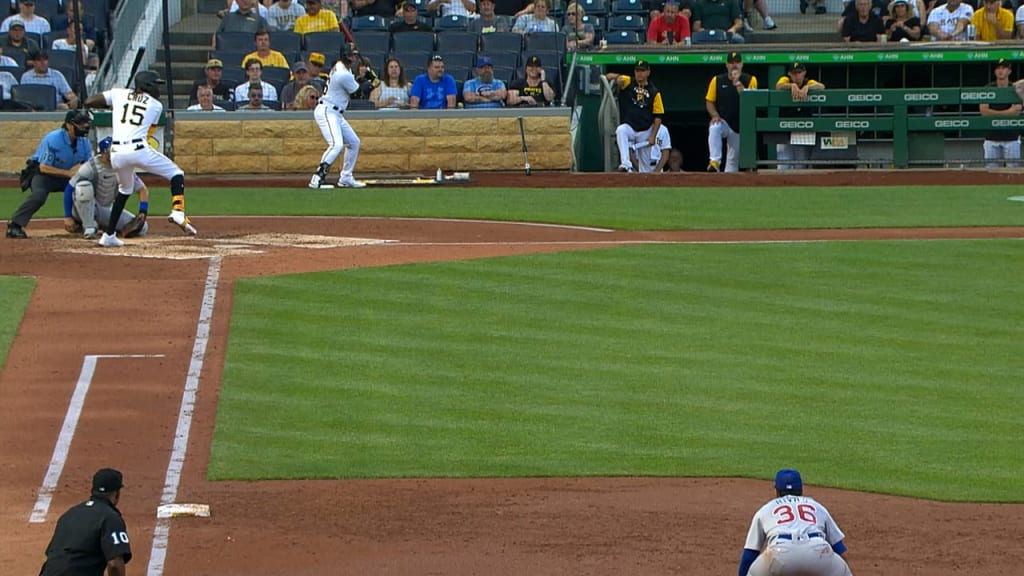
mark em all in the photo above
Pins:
pixel 404 527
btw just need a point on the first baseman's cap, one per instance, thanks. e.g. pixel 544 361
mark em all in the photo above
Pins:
pixel 1003 62
pixel 300 66
pixel 788 479
pixel 533 61
pixel 483 61
pixel 797 67
pixel 734 57
pixel 642 65
pixel 107 480
pixel 105 144
pixel 214 63
pixel 17 23
pixel 317 58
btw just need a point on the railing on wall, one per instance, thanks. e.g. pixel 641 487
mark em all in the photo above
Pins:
pixel 901 112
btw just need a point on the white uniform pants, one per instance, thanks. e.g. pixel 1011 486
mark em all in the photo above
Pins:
pixel 127 159
pixel 625 137
pixel 339 136
pixel 647 157
pixel 717 132
pixel 90 212
pixel 789 156
pixel 996 152
pixel 805 556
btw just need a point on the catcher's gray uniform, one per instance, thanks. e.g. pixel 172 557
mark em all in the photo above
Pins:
pixel 95 187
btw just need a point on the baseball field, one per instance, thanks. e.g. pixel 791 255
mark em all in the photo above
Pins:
pixel 585 380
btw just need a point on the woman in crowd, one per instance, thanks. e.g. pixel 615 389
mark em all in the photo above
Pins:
pixel 902 24
pixel 307 98
pixel 579 35
pixel 393 91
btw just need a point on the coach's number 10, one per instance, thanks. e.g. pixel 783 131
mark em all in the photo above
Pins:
pixel 119 537
pixel 138 114
pixel 785 513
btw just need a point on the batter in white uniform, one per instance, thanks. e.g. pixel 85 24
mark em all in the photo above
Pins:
pixel 133 113
pixel 329 116
pixel 793 535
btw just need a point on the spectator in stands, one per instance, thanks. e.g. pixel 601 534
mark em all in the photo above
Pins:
pixel 799 85
pixel 307 98
pixel 204 95
pixel 949 21
pixel 579 35
pixel 42 74
pixel 16 40
pixel 212 79
pixel 340 8
pixel 269 58
pixel 393 91
pixel 385 8
pixel 865 25
pixel 1001 146
pixel 488 21
pixel 538 21
pixel 675 161
pixel 317 76
pixel 993 22
pixel 316 19
pixel 367 79
pixel 7 80
pixel 453 7
pixel 669 23
pixel 531 90
pixel 879 7
pixel 254 71
pixel 762 8
pixel 300 79
pixel 27 16
pixel 71 43
pixel 902 25
pixel 6 60
pixel 245 19
pixel 410 21
pixel 484 91
pixel 713 19
pixel 88 30
pixel 254 95
pixel 433 89
pixel 283 14
pixel 232 6
pixel 723 104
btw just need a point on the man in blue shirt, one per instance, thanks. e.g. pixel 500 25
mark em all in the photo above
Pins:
pixel 484 91
pixel 41 73
pixel 434 89
pixel 58 156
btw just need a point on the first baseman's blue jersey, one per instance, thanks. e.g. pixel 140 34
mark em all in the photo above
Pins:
pixel 55 150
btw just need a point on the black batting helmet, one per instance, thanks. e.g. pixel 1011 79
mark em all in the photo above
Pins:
pixel 149 82
pixel 349 52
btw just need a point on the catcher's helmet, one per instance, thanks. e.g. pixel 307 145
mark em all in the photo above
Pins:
pixel 105 144
pixel 77 117
pixel 148 82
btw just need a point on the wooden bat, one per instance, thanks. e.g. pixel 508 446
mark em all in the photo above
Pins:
pixel 522 135
pixel 135 65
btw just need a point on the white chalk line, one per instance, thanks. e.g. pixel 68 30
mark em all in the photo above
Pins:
pixel 172 480
pixel 671 242
pixel 67 433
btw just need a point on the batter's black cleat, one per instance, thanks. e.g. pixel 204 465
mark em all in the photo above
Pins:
pixel 15 231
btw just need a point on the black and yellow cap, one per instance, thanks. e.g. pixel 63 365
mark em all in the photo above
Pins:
pixel 734 57
pixel 1003 62
pixel 797 67
pixel 642 65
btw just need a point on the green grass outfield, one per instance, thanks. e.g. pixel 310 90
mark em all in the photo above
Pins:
pixel 14 296
pixel 622 208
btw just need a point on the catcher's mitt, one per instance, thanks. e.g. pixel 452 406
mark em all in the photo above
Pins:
pixel 134 226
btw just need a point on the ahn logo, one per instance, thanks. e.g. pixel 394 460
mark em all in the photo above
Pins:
pixel 864 98
pixel 796 124
pixel 855 124
pixel 977 95
pixel 952 123
pixel 1008 123
pixel 921 97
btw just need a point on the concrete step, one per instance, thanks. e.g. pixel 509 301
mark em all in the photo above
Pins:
pixel 186 53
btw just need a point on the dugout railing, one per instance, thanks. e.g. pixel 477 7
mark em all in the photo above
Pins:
pixel 891 115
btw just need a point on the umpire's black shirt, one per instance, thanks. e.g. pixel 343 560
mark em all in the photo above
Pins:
pixel 86 537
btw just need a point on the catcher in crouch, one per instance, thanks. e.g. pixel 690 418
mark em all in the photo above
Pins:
pixel 89 197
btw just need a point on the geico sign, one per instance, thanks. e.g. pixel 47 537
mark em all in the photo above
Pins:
pixel 816 98
pixel 952 123
pixel 921 97
pixel 1010 123
pixel 852 124
pixel 977 95
pixel 863 97
pixel 796 124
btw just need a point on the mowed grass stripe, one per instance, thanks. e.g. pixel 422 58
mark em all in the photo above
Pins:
pixel 884 366
pixel 15 294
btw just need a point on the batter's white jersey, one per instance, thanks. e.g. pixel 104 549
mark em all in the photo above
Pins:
pixel 132 113
pixel 340 85
pixel 792 518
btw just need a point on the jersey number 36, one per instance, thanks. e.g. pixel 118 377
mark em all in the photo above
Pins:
pixel 805 512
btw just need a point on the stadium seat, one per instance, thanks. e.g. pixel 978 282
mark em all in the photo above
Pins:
pixel 326 42
pixel 622 37
pixel 62 59
pixel 459 64
pixel 277 76
pixel 412 61
pixel 503 59
pixel 413 42
pixel 272 104
pixel 498 42
pixel 594 7
pixel 505 74
pixel 454 22
pixel 236 42
pixel 454 41
pixel 70 74
pixel 599 26
pixel 545 42
pixel 49 9
pixel 633 22
pixel 39 96
pixel 233 76
pixel 230 58
pixel 370 42
pixel 369 23
pixel 629 7
pixel 286 42
pixel 13 70
pixel 359 104
pixel 421 8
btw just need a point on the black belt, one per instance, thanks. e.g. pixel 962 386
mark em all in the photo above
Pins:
pixel 790 536
pixel 333 107
pixel 136 141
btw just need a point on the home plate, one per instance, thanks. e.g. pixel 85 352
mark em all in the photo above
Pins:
pixel 179 510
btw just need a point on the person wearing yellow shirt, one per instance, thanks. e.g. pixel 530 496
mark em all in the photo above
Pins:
pixel 269 58
pixel 992 22
pixel 316 19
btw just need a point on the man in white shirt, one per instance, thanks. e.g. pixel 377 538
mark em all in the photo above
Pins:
pixel 205 96
pixel 28 17
pixel 283 14
pixel 949 21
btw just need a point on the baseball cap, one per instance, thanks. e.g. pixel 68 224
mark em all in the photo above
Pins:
pixel 734 57
pixel 788 479
pixel 107 480
pixel 409 4
pixel 300 66
pixel 18 23
pixel 797 67
pixel 1003 62
pixel 483 61
pixel 642 65
pixel 105 144
pixel 214 63
pixel 317 58
pixel 533 61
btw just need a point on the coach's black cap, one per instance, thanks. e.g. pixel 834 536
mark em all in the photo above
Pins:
pixel 734 57
pixel 107 480
pixel 797 67
pixel 1003 62
pixel 642 65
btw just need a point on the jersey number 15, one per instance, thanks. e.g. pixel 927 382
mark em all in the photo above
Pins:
pixel 138 114
pixel 805 512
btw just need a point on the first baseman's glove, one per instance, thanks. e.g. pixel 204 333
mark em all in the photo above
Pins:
pixel 134 226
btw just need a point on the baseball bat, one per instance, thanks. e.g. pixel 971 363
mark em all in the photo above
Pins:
pixel 522 135
pixel 135 65
pixel 347 33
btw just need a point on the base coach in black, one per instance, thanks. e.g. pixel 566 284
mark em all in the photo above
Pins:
pixel 91 539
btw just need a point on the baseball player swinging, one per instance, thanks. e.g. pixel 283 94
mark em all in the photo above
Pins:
pixel 329 116
pixel 91 192
pixel 133 113
pixel 793 535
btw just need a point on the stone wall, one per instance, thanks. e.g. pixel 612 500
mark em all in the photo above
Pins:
pixel 392 142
